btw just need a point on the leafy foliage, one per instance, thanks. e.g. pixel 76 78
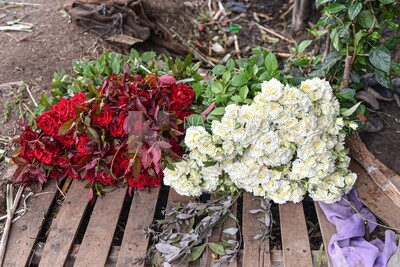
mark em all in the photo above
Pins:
pixel 355 29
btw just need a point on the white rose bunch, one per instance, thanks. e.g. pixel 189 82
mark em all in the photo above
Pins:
pixel 286 143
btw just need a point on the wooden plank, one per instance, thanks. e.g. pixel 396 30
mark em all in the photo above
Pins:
pixel 141 214
pixel 327 230
pixel 207 257
pixel 255 252
pixel 24 232
pixel 374 198
pixel 101 228
pixel 65 226
pixel 295 242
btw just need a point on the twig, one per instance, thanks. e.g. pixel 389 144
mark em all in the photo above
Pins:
pixel 236 42
pixel 346 72
pixel 18 3
pixel 7 227
pixel 30 95
pixel 366 219
pixel 29 110
pixel 270 31
pixel 327 46
pixel 287 11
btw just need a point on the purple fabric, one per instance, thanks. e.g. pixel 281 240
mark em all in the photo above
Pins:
pixel 347 247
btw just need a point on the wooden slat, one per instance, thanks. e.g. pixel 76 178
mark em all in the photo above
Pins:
pixel 65 226
pixel 255 252
pixel 100 231
pixel 207 258
pixel 141 214
pixel 173 198
pixel 327 230
pixel 295 242
pixel 24 232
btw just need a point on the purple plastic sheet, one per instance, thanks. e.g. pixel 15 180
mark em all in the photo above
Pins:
pixel 348 248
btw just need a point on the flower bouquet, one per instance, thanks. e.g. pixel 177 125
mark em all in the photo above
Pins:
pixel 121 132
pixel 285 143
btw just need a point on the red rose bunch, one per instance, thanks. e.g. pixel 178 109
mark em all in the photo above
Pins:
pixel 122 132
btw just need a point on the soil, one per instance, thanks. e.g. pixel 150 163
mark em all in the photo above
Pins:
pixel 33 57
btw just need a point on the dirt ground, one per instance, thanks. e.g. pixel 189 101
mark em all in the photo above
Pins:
pixel 33 57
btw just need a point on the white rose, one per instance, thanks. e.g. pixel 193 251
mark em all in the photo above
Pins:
pixel 231 111
pixel 302 169
pixel 272 89
pixel 195 136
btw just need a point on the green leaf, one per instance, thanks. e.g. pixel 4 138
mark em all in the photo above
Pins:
pixel 194 120
pixel 243 92
pixel 382 78
pixel 196 252
pixel 226 76
pixel 392 43
pixel 217 87
pixel 66 127
pixel 134 54
pixel 219 70
pixel 217 248
pixel 94 134
pixel 347 94
pixel 354 10
pixel 334 8
pixel 380 59
pixel 218 111
pixel 237 99
pixel 321 2
pixel 116 66
pixel 335 39
pixel 230 64
pixel 347 112
pixel 303 45
pixel 271 63
pixel 45 101
pixel 358 36
pixel 366 19
pixel 385 2
pixel 240 80
pixel 147 56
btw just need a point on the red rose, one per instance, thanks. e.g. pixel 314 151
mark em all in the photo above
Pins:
pixel 103 119
pixel 78 99
pixel 48 124
pixel 82 147
pixel 64 110
pixel 182 94
pixel 116 126
pixel 67 140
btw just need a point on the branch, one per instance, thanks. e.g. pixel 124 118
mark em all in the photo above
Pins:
pixel 346 72
pixel 10 213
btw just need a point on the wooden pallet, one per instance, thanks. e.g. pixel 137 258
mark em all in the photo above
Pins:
pixel 81 234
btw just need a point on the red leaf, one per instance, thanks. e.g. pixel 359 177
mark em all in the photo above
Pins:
pixel 163 144
pixel 145 159
pixel 167 79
